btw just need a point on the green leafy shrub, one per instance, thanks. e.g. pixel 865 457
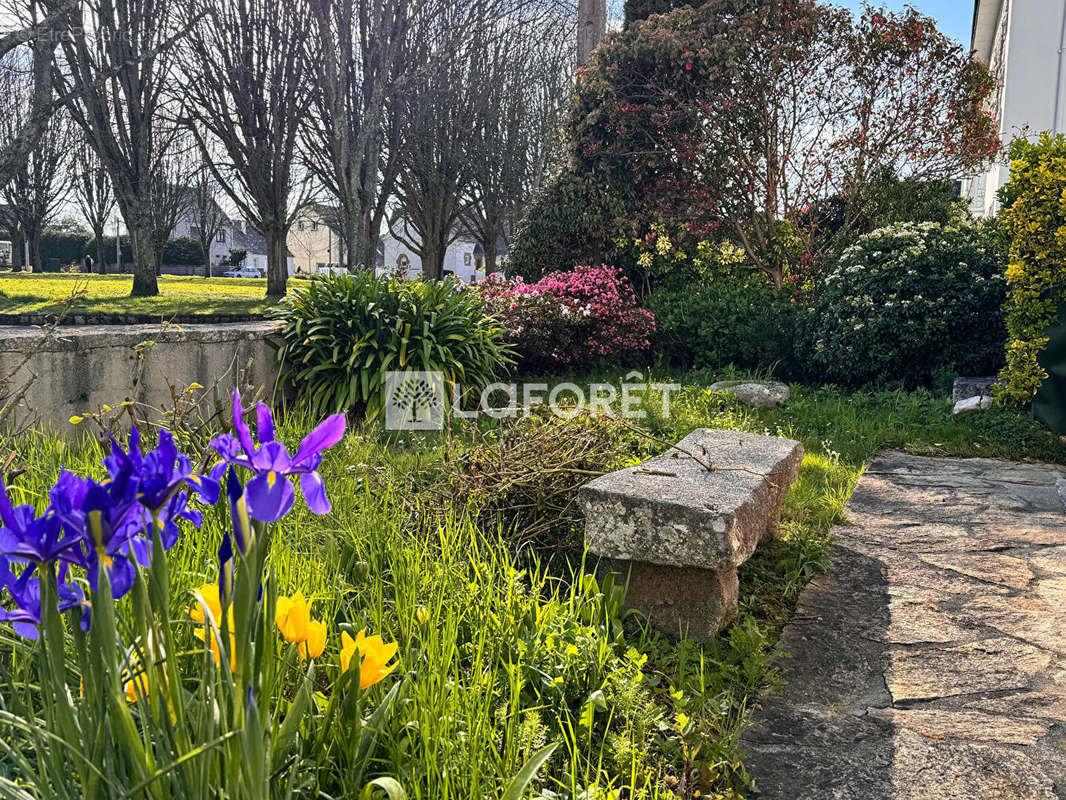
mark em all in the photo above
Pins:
pixel 571 221
pixel 836 224
pixel 1034 211
pixel 184 251
pixel 717 310
pixel 906 302
pixel 342 333
pixel 642 9
pixel 65 247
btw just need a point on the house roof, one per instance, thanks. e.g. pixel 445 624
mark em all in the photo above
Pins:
pixel 330 215
pixel 250 240
pixel 985 22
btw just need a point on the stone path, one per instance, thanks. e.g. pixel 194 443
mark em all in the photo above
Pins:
pixel 930 664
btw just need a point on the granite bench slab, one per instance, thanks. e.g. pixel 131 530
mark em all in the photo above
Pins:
pixel 681 523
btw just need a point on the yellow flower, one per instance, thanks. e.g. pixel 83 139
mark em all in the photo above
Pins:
pixel 374 655
pixel 316 640
pixel 293 617
pixel 207 595
pixel 136 685
pixel 422 615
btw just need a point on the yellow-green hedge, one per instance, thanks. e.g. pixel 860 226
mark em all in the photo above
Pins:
pixel 1034 210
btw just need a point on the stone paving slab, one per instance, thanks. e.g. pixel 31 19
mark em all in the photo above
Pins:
pixel 930 663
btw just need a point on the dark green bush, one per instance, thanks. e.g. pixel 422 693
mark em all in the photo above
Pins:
pixel 570 222
pixel 712 309
pixel 64 247
pixel 342 333
pixel 907 302
pixel 109 250
pixel 642 9
pixel 183 251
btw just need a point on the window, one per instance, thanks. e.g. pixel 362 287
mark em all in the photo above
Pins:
pixel 314 226
pixel 221 235
pixel 300 225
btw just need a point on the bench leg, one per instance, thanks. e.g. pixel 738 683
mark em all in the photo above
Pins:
pixel 682 601
pixel 773 525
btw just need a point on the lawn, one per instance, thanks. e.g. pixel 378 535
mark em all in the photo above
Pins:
pixel 26 293
pixel 504 649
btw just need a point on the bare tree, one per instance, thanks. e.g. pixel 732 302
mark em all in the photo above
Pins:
pixel 249 86
pixel 118 68
pixel 360 53
pixel 95 198
pixel 40 181
pixel 526 74
pixel 437 105
pixel 207 215
pixel 171 199
pixel 38 30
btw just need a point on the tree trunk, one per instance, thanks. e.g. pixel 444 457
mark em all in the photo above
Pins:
pixel 18 250
pixel 205 248
pixel 35 251
pixel 352 240
pixel 490 256
pixel 277 262
pixel 145 261
pixel 101 252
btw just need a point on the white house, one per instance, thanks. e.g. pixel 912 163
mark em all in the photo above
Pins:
pixel 464 259
pixel 1023 42
pixel 245 237
pixel 220 245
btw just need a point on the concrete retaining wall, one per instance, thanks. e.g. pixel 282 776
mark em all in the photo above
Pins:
pixel 76 370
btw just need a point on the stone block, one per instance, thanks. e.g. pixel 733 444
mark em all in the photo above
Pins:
pixel 976 403
pixel 965 388
pixel 757 394
pixel 695 513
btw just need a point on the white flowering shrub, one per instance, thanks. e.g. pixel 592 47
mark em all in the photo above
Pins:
pixel 908 302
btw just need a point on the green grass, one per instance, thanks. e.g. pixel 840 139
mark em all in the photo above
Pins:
pixel 517 653
pixel 28 293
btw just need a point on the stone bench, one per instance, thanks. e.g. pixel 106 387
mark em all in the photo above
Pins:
pixel 680 530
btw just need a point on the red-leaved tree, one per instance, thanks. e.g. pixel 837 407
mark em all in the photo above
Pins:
pixel 738 116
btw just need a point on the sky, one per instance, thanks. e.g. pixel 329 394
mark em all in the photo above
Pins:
pixel 954 17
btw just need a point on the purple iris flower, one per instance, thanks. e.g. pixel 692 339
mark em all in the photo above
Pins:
pixel 109 520
pixel 25 590
pixel 159 473
pixel 269 496
pixel 27 537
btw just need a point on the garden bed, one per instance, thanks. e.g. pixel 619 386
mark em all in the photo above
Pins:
pixel 504 647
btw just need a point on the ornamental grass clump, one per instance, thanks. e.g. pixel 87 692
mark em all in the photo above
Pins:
pixel 237 694
pixel 343 334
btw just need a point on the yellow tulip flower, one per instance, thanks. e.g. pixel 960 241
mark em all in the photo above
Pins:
pixel 137 685
pixel 208 596
pixel 374 657
pixel 293 617
pixel 315 643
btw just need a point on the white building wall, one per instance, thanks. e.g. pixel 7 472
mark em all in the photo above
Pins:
pixel 459 260
pixel 1024 48
pixel 219 249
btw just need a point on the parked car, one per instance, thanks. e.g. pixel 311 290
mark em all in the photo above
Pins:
pixel 244 272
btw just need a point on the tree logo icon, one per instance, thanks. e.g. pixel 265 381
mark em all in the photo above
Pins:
pixel 414 401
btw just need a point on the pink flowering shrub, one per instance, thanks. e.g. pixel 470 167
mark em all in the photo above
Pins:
pixel 573 318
